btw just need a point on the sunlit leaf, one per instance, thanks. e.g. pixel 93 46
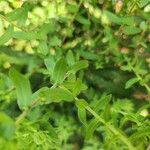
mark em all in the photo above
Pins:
pixel 7 35
pixel 131 82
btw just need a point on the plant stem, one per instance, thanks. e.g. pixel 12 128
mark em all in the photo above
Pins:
pixel 22 116
pixel 25 112
pixel 123 138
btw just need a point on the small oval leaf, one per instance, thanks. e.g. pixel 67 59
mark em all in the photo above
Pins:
pixel 59 71
pixel 130 82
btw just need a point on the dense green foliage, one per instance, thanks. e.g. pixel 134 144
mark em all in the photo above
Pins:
pixel 74 74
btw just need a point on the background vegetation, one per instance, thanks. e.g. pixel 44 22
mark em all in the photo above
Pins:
pixel 74 74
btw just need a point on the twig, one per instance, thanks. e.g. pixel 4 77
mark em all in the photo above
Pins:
pixel 23 115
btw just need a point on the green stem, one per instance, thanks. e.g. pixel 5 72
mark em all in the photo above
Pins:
pixel 123 138
pixel 23 115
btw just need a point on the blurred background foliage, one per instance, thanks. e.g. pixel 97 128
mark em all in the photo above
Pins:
pixel 113 35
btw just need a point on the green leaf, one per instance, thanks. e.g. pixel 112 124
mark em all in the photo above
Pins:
pixel 107 113
pixel 88 55
pixel 59 71
pixel 82 115
pixel 77 87
pixel 58 95
pixel 43 48
pixel 50 64
pixel 24 14
pixel 101 103
pixel 131 82
pixel 113 18
pixel 72 8
pixel 78 66
pixel 7 126
pixel 52 132
pixel 23 89
pixel 128 21
pixel 70 58
pixel 7 35
pixel 129 30
pixel 81 105
pixel 132 118
pixel 126 68
pixel 47 28
pixel 19 14
pixel 25 35
pixel 143 3
pixel 91 127
pixel 83 20
pixel 55 41
pixel 41 93
pixel 14 15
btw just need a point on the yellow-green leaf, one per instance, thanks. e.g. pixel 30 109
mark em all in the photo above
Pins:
pixel 7 35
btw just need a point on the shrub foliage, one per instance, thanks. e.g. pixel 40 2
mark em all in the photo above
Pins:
pixel 74 74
